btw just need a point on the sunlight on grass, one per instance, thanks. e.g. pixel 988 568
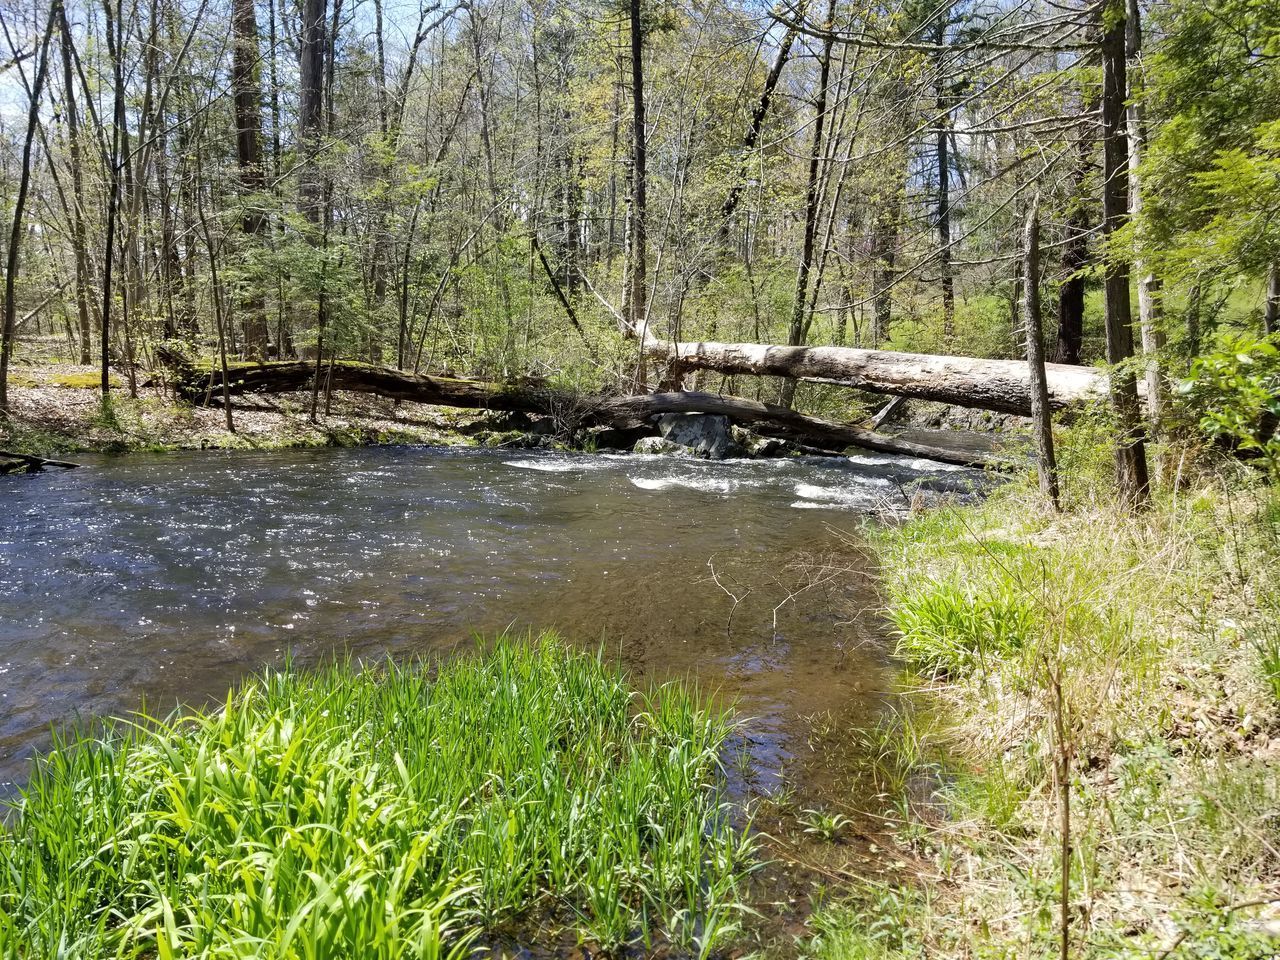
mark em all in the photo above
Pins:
pixel 383 814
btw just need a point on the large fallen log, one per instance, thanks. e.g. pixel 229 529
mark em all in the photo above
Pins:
pixel 773 420
pixel 531 397
pixel 292 376
pixel 1000 385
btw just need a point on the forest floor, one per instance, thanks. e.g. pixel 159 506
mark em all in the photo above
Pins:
pixel 56 408
pixel 1102 684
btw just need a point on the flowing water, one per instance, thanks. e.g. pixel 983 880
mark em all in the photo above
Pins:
pixel 167 578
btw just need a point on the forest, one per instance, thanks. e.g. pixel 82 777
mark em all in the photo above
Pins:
pixel 845 432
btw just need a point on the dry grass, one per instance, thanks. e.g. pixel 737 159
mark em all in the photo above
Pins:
pixel 1151 626
pixel 57 408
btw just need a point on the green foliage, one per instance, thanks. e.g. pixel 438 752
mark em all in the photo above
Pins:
pixel 381 814
pixel 948 627
pixel 1235 394
pixel 1212 174
pixel 1265 638
pixel 824 823
pixel 877 922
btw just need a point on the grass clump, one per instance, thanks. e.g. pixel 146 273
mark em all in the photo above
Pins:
pixel 383 814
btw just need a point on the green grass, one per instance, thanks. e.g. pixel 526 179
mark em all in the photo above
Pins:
pixel 383 814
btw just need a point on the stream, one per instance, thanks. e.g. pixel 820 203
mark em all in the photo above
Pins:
pixel 163 579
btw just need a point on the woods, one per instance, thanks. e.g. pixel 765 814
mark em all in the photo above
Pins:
pixel 506 189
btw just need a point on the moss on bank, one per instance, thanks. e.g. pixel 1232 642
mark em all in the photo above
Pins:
pixel 1162 632
pixel 523 794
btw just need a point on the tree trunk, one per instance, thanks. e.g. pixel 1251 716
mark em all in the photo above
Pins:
pixel 758 115
pixel 1132 483
pixel 79 240
pixel 638 249
pixel 311 106
pixel 290 377
pixel 115 40
pixel 1149 287
pixel 8 326
pixel 1075 251
pixel 884 251
pixel 1041 415
pixel 1000 385
pixel 944 183
pixel 245 83
pixel 796 333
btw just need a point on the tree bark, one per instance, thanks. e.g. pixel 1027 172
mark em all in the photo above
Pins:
pixel 999 385
pixel 638 249
pixel 8 326
pixel 796 332
pixel 115 40
pixel 943 134
pixel 1149 286
pixel 1075 252
pixel 1132 482
pixel 79 240
pixel 1041 416
pixel 245 83
pixel 314 48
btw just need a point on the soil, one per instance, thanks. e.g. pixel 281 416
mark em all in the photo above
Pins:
pixel 56 408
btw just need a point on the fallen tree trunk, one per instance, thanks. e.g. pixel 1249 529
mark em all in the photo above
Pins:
pixel 532 397
pixel 289 377
pixel 773 420
pixel 25 461
pixel 1001 385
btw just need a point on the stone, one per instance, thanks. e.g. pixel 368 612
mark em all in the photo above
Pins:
pixel 615 438
pixel 754 445
pixel 659 445
pixel 706 434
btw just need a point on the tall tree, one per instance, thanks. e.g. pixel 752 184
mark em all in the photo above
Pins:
pixel 942 135
pixel 1075 252
pixel 246 84
pixel 18 224
pixel 79 237
pixel 1132 481
pixel 1149 286
pixel 638 249
pixel 796 332
pixel 1041 414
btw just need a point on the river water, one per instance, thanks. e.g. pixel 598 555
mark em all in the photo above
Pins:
pixel 163 579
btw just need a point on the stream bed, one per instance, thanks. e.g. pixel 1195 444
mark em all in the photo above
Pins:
pixel 164 579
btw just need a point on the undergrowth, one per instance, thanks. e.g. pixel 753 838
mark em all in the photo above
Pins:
pixel 1140 654
pixel 383 814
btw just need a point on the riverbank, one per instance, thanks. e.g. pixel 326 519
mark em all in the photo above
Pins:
pixel 57 409
pixel 1090 688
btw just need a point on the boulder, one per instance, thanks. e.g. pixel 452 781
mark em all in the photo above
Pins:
pixel 659 445
pixel 616 438
pixel 707 435
pixel 755 445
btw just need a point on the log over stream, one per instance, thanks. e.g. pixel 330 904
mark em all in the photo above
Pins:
pixel 533 397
